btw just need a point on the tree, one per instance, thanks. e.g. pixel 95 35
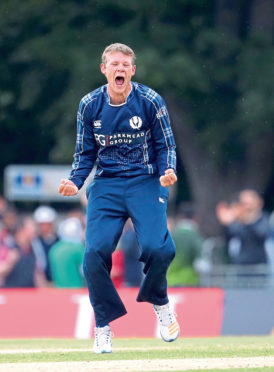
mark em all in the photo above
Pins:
pixel 225 128
pixel 211 60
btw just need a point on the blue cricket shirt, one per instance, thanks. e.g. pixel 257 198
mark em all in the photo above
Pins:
pixel 130 139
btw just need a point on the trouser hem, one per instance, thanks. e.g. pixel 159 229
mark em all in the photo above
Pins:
pixel 159 302
pixel 111 319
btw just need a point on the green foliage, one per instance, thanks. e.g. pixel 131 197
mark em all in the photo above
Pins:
pixel 50 56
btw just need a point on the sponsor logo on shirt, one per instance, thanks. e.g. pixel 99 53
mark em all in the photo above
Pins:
pixel 119 138
pixel 97 124
pixel 135 122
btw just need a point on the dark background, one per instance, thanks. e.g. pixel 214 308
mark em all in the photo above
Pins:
pixel 212 61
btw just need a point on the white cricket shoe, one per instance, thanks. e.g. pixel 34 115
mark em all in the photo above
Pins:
pixel 102 340
pixel 169 327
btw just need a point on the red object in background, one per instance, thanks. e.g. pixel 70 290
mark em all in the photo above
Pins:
pixel 28 313
pixel 118 268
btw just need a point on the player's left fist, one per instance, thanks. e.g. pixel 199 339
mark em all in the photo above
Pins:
pixel 67 188
pixel 169 178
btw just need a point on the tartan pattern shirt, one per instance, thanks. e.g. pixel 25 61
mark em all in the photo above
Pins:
pixel 127 140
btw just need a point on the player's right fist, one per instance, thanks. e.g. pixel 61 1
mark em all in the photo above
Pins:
pixel 67 188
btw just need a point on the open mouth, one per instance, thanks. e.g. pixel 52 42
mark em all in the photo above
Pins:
pixel 119 80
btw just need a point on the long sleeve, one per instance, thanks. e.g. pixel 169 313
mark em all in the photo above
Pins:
pixel 162 136
pixel 86 147
pixel 259 229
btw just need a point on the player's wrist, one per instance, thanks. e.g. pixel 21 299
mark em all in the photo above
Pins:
pixel 77 184
pixel 170 170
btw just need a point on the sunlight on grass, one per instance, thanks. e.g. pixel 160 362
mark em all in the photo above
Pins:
pixel 36 350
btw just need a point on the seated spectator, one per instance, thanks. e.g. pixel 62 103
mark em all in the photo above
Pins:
pixel 246 228
pixel 188 242
pixel 45 218
pixel 26 271
pixel 66 256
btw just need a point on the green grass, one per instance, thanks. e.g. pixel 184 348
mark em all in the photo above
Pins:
pixel 133 349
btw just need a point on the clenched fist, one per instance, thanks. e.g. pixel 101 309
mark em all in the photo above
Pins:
pixel 169 178
pixel 67 188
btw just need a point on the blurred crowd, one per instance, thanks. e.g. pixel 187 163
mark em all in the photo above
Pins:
pixel 46 248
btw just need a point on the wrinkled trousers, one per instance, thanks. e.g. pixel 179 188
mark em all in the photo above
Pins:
pixel 111 201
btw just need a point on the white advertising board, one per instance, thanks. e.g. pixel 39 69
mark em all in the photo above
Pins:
pixel 37 182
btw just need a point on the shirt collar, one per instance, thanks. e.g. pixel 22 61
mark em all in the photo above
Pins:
pixel 127 99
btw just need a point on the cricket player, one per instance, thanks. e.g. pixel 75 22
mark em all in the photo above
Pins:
pixel 125 126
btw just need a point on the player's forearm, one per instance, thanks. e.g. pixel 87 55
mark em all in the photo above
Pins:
pixel 166 159
pixel 85 149
pixel 80 174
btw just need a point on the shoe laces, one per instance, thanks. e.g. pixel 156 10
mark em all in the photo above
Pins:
pixel 165 315
pixel 103 335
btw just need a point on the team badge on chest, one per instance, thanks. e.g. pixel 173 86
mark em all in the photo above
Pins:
pixel 135 122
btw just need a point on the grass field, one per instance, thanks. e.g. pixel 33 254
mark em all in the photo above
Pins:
pixel 211 354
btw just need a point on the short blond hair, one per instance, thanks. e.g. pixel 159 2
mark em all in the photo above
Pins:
pixel 118 47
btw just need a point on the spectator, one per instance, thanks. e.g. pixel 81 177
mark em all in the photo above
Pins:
pixel 26 271
pixel 8 252
pixel 188 243
pixel 133 267
pixel 3 208
pixel 66 256
pixel 10 220
pixel 246 228
pixel 269 246
pixel 45 218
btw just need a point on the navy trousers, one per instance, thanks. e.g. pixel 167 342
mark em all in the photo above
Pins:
pixel 111 201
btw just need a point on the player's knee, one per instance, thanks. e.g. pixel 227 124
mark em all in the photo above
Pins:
pixel 164 255
pixel 163 252
pixel 96 257
pixel 91 262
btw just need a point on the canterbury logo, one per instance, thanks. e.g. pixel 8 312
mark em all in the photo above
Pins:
pixel 97 124
pixel 135 122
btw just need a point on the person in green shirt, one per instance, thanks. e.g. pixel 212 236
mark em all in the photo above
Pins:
pixel 188 243
pixel 66 256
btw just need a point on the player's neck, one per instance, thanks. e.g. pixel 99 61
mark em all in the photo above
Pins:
pixel 118 98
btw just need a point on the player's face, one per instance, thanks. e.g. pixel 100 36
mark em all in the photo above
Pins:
pixel 118 70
